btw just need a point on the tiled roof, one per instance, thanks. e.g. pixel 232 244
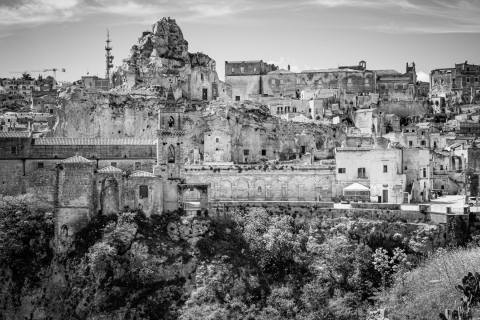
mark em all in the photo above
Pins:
pixel 92 142
pixel 76 159
pixel 15 134
pixel 142 174
pixel 109 169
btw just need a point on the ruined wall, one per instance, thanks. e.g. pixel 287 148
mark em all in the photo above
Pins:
pixel 74 200
pixel 153 204
pixel 11 177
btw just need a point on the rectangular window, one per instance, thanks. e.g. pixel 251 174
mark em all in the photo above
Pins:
pixel 410 143
pixel 254 69
pixel 113 164
pixel 349 80
pixel 138 165
pixel 143 192
pixel 404 86
pixel 264 152
pixel 361 172
pixel 385 168
pixel 13 150
pixel 40 165
pixel 273 82
pixel 298 81
pixel 468 79
pixel 395 86
pixel 303 149
pixel 443 187
pixel 233 70
pixel 242 69
pixel 246 152
pixel 342 170
pixel 281 81
pixel 405 168
pixel 237 98
pixel 476 79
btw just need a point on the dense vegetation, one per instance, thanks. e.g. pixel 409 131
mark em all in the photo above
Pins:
pixel 253 265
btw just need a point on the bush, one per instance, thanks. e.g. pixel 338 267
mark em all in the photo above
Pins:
pixel 431 288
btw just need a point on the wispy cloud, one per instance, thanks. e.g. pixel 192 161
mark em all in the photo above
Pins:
pixel 38 11
pixel 387 16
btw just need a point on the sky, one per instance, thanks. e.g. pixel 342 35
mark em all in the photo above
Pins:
pixel 305 34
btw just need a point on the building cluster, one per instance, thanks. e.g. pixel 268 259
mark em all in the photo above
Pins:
pixel 394 139
pixel 406 140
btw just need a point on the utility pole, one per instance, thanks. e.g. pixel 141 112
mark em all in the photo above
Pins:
pixel 109 57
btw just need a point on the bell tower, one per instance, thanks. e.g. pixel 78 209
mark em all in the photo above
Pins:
pixel 170 163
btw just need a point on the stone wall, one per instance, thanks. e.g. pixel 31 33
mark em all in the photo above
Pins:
pixel 404 108
pixel 259 183
pixel 74 199
pixel 242 86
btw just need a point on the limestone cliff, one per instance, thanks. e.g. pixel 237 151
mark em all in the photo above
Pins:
pixel 91 114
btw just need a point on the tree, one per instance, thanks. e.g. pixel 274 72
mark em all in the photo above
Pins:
pixel 40 78
pixel 26 76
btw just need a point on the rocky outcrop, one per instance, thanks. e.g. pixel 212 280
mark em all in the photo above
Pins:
pixel 161 58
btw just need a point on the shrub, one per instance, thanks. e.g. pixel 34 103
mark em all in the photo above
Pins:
pixel 431 288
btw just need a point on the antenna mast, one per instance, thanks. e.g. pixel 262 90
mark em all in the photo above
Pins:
pixel 108 56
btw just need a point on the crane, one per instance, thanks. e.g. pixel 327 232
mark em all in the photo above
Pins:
pixel 44 70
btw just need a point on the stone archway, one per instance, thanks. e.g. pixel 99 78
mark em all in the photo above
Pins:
pixel 308 192
pixel 275 190
pixel 292 190
pixel 225 190
pixel 242 190
pixel 259 191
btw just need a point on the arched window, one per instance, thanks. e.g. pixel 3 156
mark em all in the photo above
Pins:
pixel 171 154
pixel 424 172
pixel 64 231
pixel 259 190
pixel 441 167
pixel 171 122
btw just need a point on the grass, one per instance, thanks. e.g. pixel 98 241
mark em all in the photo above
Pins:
pixel 430 289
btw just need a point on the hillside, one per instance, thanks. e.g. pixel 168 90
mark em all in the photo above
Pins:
pixel 253 265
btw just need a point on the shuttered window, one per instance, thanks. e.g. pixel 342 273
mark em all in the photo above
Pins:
pixel 143 192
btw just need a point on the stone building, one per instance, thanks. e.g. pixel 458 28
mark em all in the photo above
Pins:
pixel 275 82
pixel 462 79
pixel 392 85
pixel 380 170
pixel 217 147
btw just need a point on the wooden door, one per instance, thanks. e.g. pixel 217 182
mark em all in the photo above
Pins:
pixel 204 94
pixel 385 196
